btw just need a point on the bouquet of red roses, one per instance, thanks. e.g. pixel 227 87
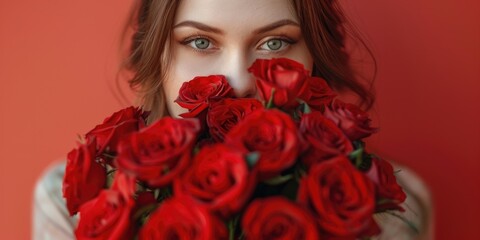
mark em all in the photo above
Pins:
pixel 291 165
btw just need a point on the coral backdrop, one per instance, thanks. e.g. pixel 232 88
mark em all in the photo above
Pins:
pixel 58 62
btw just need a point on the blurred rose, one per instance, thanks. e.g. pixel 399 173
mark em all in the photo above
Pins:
pixel 342 198
pixel 84 177
pixel 273 135
pixel 288 77
pixel 106 217
pixel 115 127
pixel 323 138
pixel 354 122
pixel 219 179
pixel 225 113
pixel 278 218
pixel 389 194
pixel 160 152
pixel 177 218
pixel 322 94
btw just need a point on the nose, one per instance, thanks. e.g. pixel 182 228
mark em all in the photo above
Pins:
pixel 235 69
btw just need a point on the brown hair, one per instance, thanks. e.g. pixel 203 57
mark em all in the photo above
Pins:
pixel 323 24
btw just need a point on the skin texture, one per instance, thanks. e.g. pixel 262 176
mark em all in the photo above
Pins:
pixel 223 37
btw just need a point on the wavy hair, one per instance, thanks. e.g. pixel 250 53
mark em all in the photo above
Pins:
pixel 323 24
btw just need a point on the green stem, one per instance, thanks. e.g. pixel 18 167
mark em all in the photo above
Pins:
pixel 357 154
pixel 232 226
pixel 270 101
pixel 358 159
pixel 231 231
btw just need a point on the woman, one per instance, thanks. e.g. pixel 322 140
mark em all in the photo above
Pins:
pixel 175 41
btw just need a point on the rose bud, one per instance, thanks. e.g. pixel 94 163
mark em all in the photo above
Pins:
pixel 84 176
pixel 160 152
pixel 278 218
pixel 178 218
pixel 341 197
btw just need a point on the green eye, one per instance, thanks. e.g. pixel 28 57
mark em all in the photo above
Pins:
pixel 274 44
pixel 201 43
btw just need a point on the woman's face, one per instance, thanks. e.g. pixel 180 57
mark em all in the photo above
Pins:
pixel 225 37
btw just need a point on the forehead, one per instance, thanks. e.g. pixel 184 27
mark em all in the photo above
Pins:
pixel 234 14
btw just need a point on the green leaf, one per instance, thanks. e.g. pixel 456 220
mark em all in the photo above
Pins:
pixel 278 179
pixel 232 227
pixel 357 156
pixel 156 193
pixel 305 107
pixel 356 153
pixel 252 159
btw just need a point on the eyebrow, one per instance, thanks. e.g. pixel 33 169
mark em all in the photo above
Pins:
pixel 198 25
pixel 263 29
pixel 275 25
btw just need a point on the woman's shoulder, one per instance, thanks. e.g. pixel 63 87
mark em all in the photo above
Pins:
pixel 51 219
pixel 416 222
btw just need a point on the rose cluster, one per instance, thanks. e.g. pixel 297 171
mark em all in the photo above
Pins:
pixel 291 165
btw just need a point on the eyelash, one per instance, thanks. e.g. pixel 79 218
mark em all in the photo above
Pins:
pixel 188 40
pixel 283 38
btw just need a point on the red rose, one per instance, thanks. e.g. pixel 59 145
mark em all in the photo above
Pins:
pixel 113 128
pixel 179 219
pixel 160 152
pixel 225 113
pixel 325 140
pixel 389 194
pixel 322 94
pixel 194 94
pixel 278 218
pixel 273 134
pixel 354 122
pixel 342 198
pixel 84 177
pixel 124 183
pixel 106 217
pixel 289 79
pixel 219 179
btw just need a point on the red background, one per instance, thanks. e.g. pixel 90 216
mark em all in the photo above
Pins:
pixel 58 61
